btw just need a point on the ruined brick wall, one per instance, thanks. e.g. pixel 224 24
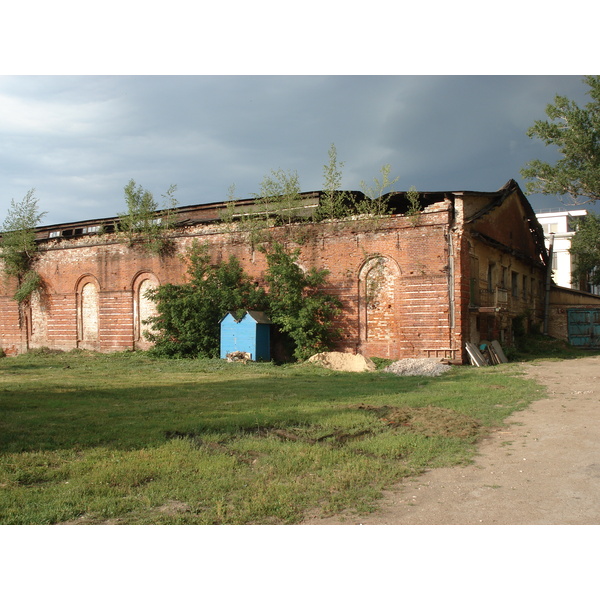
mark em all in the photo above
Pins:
pixel 393 280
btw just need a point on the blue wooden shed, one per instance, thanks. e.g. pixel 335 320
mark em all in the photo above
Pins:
pixel 251 334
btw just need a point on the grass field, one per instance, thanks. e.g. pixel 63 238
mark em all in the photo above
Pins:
pixel 126 438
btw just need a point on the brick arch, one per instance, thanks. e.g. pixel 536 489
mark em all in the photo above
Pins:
pixel 378 306
pixel 143 308
pixel 87 293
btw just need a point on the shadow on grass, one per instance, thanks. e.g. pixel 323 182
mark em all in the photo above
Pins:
pixel 72 414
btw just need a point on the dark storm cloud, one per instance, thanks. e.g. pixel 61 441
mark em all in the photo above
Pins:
pixel 78 140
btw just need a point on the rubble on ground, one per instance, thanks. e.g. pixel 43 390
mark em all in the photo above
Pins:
pixel 238 356
pixel 425 367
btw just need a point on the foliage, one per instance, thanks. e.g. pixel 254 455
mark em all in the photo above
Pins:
pixel 144 222
pixel 585 247
pixel 129 439
pixel 280 199
pixel 575 132
pixel 188 318
pixel 229 213
pixel 375 202
pixel 30 283
pixel 297 302
pixel 414 205
pixel 18 248
pixel 334 203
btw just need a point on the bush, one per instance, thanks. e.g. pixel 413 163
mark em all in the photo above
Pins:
pixel 298 304
pixel 189 315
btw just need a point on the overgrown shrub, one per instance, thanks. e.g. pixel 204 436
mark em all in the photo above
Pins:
pixel 188 318
pixel 298 305
pixel 189 315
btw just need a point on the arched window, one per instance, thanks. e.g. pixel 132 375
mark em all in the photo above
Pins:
pixel 377 299
pixel 88 313
pixel 143 307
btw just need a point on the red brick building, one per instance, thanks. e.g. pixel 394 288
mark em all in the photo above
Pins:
pixel 463 269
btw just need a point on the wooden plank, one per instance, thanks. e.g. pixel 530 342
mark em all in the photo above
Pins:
pixel 476 357
pixel 494 356
pixel 499 352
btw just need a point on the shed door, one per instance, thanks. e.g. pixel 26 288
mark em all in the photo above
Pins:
pixel 584 327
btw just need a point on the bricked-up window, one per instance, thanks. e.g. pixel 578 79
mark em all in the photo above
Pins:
pixel 89 312
pixel 146 307
pixel 143 308
pixel 377 298
pixel 515 284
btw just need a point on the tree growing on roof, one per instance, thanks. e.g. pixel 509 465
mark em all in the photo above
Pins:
pixel 280 197
pixel 575 132
pixel 18 248
pixel 375 201
pixel 335 203
pixel 145 222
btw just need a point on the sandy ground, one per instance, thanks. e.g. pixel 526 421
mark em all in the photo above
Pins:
pixel 542 467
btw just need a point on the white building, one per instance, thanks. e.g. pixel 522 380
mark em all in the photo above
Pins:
pixel 563 225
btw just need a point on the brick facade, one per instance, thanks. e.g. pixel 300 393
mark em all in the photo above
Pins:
pixel 410 287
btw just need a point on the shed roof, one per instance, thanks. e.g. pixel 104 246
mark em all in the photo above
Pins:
pixel 258 316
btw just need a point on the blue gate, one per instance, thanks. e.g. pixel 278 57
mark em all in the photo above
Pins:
pixel 584 327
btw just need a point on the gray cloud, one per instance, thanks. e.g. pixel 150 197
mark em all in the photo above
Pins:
pixel 79 139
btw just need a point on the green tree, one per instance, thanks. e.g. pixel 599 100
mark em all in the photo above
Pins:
pixel 585 248
pixel 187 324
pixel 375 202
pixel 414 205
pixel 145 222
pixel 575 132
pixel 18 248
pixel 280 198
pixel 298 304
pixel 334 203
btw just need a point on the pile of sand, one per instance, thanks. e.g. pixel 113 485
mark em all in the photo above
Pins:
pixel 342 361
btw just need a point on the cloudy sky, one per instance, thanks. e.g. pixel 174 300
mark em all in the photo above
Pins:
pixel 78 140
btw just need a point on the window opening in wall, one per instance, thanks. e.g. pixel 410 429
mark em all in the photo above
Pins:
pixel 504 282
pixel 475 281
pixel 515 284
pixel 490 277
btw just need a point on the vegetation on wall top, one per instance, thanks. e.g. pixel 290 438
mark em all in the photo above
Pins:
pixel 18 248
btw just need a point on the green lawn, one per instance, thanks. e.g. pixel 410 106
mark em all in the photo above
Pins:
pixel 125 438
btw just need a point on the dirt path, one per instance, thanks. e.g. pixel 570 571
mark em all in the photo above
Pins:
pixel 542 467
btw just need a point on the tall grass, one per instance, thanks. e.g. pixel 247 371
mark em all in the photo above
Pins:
pixel 125 438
